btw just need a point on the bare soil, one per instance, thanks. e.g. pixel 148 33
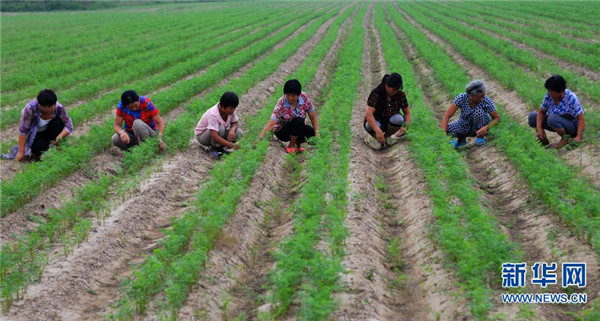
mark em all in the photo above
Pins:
pixel 84 284
pixel 16 223
pixel 530 224
pixel 399 210
pixel 241 276
pixel 519 110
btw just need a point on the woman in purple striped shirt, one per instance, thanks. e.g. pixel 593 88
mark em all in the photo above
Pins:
pixel 43 121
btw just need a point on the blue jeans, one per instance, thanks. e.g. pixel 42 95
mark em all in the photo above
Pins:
pixel 552 121
pixel 396 120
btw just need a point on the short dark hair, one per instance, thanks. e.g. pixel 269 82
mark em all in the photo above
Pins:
pixel 229 99
pixel 292 86
pixel 393 80
pixel 128 97
pixel 556 83
pixel 47 97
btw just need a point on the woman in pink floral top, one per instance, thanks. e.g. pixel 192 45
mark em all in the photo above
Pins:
pixel 288 119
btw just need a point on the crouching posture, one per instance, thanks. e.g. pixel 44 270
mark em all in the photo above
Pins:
pixel 141 120
pixel 44 121
pixel 560 112
pixel 218 127
pixel 475 111
pixel 289 115
pixel 387 111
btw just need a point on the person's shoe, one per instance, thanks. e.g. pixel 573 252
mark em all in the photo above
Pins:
pixel 544 141
pixel 290 150
pixel 480 141
pixel 371 141
pixel 392 140
pixel 565 140
pixel 300 149
pixel 224 151
pixel 215 154
pixel 116 151
pixel 458 145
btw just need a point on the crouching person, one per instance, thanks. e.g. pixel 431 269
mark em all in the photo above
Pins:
pixel 560 112
pixel 44 121
pixel 218 127
pixel 141 120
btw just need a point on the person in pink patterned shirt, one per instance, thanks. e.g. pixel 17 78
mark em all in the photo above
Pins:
pixel 289 115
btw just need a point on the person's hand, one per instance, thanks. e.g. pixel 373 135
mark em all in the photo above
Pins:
pixel 317 133
pixel 482 131
pixel 19 156
pixel 124 137
pixel 58 138
pixel 235 146
pixel 380 137
pixel 577 139
pixel 162 146
pixel 400 132
pixel 231 136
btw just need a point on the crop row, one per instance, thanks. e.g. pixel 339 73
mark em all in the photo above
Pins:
pixel 107 76
pixel 556 184
pixel 170 75
pixel 529 87
pixel 103 70
pixel 29 70
pixel 95 39
pixel 462 226
pixel 551 43
pixel 38 176
pixel 173 268
pixel 17 273
pixel 26 31
pixel 537 32
pixel 304 273
pixel 542 67
pixel 577 13
pixel 578 31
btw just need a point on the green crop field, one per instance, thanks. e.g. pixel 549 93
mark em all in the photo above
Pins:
pixel 416 231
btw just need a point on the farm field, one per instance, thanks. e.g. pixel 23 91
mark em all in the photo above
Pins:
pixel 416 231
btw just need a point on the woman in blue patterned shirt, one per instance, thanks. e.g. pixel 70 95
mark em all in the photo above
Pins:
pixel 475 111
pixel 560 112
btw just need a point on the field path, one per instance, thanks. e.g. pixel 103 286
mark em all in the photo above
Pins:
pixel 238 265
pixel 543 237
pixel 583 156
pixel 400 211
pixel 17 222
pixel 84 284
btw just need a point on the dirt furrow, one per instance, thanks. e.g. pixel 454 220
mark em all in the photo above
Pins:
pixel 395 272
pixel 544 238
pixel 522 218
pixel 18 222
pixel 583 157
pixel 234 277
pixel 83 285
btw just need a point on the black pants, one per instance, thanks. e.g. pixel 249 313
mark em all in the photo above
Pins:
pixel 297 128
pixel 41 143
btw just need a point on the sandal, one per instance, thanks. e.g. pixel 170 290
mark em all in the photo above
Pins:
pixel 290 150
pixel 301 149
pixel 458 145
pixel 480 141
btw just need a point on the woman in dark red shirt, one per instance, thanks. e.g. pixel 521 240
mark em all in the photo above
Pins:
pixel 387 110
